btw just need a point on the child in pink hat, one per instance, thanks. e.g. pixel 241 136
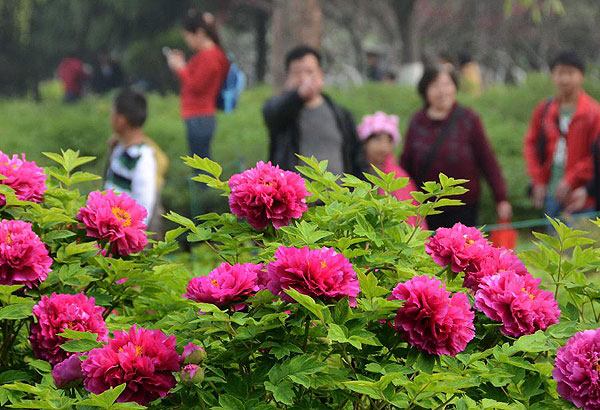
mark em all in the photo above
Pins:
pixel 379 134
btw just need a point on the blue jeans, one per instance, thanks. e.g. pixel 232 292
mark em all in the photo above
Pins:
pixel 200 131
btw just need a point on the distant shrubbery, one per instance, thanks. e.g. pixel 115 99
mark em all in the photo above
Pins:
pixel 242 139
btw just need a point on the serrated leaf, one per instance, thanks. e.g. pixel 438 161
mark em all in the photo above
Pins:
pixel 283 392
pixel 78 346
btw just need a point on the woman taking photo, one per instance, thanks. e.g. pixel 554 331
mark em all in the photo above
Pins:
pixel 449 138
pixel 201 79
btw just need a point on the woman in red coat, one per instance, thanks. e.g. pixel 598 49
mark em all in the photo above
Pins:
pixel 201 79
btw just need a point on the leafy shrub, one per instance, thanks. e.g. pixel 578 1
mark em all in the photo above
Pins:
pixel 319 344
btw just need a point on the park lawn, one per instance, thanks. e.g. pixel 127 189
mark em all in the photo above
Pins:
pixel 242 138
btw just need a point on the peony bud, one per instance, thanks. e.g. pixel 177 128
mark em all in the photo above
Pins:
pixel 67 373
pixel 192 374
pixel 193 354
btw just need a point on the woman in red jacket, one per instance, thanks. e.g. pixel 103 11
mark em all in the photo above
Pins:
pixel 449 138
pixel 201 79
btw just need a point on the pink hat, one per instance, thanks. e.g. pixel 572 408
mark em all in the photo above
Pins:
pixel 377 123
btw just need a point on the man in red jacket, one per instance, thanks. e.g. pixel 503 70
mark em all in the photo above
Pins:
pixel 558 144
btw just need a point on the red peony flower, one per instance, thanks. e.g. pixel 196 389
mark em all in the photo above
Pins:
pixel 577 370
pixel 58 312
pixel 497 260
pixel 458 246
pixel 319 273
pixel 431 319
pixel 117 219
pixel 226 285
pixel 23 256
pixel 518 302
pixel 25 177
pixel 267 194
pixel 144 359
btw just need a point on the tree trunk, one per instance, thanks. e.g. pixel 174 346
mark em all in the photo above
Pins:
pixel 405 14
pixel 294 22
pixel 260 68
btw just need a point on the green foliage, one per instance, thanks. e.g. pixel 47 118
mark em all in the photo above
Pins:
pixel 309 353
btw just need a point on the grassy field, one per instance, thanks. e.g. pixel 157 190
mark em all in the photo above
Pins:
pixel 242 139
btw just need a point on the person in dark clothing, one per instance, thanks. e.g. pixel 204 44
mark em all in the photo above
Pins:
pixel 304 121
pixel 107 74
pixel 449 138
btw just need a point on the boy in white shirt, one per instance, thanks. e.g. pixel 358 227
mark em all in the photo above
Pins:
pixel 133 167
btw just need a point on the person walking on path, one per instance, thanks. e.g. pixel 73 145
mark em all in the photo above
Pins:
pixel 558 144
pixel 446 137
pixel 305 121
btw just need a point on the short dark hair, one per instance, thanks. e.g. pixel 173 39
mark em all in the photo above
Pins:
pixel 430 74
pixel 132 105
pixel 299 52
pixel 569 58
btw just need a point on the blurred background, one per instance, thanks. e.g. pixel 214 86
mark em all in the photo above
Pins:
pixel 374 52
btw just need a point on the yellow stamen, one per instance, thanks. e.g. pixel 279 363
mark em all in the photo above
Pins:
pixel 122 215
pixel 8 240
pixel 138 350
pixel 530 295
pixel 214 282
pixel 323 264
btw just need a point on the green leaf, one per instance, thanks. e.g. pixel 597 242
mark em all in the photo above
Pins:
pixel 369 285
pixel 17 311
pixel 203 164
pixel 228 402
pixel 106 399
pixel 282 393
pixel 534 343
pixel 41 365
pixel 8 289
pixel 75 334
pixel 307 302
pixel 79 346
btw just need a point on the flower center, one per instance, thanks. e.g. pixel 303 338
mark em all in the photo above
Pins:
pixel 530 295
pixel 214 282
pixel 138 350
pixel 8 239
pixel 323 264
pixel 122 215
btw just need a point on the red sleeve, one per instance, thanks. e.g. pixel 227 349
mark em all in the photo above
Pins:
pixel 534 169
pixel 199 73
pixel 487 160
pixel 583 170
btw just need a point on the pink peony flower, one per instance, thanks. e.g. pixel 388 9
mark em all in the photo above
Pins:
pixel 58 312
pixel 267 194
pixel 518 302
pixel 497 260
pixel 144 359
pixel 319 273
pixel 577 370
pixel 458 246
pixel 192 374
pixel 117 219
pixel 23 256
pixel 226 285
pixel 193 354
pixel 25 177
pixel 431 319
pixel 68 372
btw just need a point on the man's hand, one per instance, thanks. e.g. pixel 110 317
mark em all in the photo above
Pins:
pixel 538 195
pixel 576 200
pixel 176 60
pixel 504 210
pixel 562 192
pixel 310 88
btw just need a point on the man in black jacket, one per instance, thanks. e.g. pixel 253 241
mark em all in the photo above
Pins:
pixel 304 121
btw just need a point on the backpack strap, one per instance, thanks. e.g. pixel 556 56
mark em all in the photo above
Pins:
pixel 541 142
pixel 444 132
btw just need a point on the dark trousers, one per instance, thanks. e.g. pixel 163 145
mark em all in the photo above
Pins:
pixel 200 131
pixel 465 214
